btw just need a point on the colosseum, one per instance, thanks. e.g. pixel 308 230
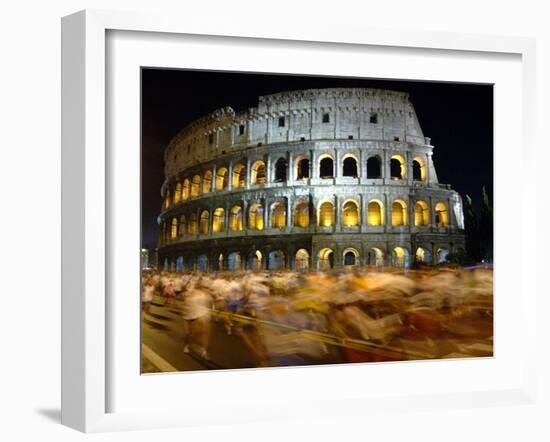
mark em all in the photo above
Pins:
pixel 310 179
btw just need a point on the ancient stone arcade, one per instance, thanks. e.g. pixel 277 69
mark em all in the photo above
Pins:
pixel 310 179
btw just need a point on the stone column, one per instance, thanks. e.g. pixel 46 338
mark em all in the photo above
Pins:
pixel 409 168
pixel 313 172
pixel 248 180
pixel 362 165
pixel 290 168
pixel 386 169
pixel 269 172
pixel 226 217
pixel 289 212
pixel 245 215
pixel 337 165
pixel 214 177
pixel 388 218
pixel 337 214
pixel 230 175
pixel 267 214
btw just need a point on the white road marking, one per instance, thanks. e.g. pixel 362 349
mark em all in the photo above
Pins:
pixel 159 362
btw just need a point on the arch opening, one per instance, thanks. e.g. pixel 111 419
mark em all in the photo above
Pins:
pixel 256 217
pixel 301 214
pixel 207 182
pixel 280 170
pixel 239 176
pixel 350 215
pixel 351 257
pixel 374 167
pixel 419 169
pixel 302 167
pixel 421 214
pixel 326 167
pixel 236 219
pixel 375 213
pixel 258 172
pixel 234 261
pixel 400 257
pixel 204 222
pixel 221 178
pixel 278 216
pixel 441 215
pixel 399 213
pixel 349 167
pixel 302 260
pixel 397 167
pixel 326 214
pixel 326 259
pixel 218 220
pixel 195 185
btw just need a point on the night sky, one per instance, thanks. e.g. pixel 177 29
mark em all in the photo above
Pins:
pixel 457 117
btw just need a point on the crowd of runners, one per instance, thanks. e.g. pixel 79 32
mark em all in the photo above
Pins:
pixel 290 318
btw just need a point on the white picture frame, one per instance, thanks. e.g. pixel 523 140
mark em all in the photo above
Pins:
pixel 87 356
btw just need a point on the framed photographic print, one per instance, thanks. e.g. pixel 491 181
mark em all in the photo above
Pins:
pixel 285 224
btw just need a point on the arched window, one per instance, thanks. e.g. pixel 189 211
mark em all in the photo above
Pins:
pixel 234 261
pixel 221 178
pixel 185 190
pixel 442 255
pixel 221 265
pixel 400 257
pixel 350 215
pixel 258 172
pixel 302 260
pixel 302 168
pixel 278 216
pixel 374 169
pixel 256 217
pixel 326 167
pixel 351 257
pixel 441 215
pixel 207 182
pixel 397 167
pixel 399 213
pixel 301 214
pixel 280 170
pixel 202 263
pixel 276 260
pixel 204 222
pixel 167 200
pixel 254 261
pixel 177 193
pixel 236 219
pixel 375 213
pixel 192 226
pixel 376 257
pixel 421 214
pixel 419 169
pixel 182 227
pixel 349 167
pixel 326 259
pixel 239 176
pixel 218 220
pixel 174 229
pixel 423 256
pixel 196 185
pixel 326 214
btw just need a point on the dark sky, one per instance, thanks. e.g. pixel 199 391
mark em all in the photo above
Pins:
pixel 457 117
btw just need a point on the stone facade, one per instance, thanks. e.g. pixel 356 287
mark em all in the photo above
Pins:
pixel 307 179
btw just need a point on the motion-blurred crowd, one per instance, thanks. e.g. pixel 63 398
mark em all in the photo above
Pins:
pixel 292 318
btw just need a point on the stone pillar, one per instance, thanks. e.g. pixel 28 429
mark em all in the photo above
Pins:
pixel 388 205
pixel 386 169
pixel 313 172
pixel 290 168
pixel 432 213
pixel 245 215
pixel 362 165
pixel 337 214
pixel 289 212
pixel 230 176
pixel 226 217
pixel 248 180
pixel 337 165
pixel 214 177
pixel 267 214
pixel 269 173
pixel 408 168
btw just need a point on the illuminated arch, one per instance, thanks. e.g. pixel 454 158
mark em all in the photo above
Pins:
pixel 202 263
pixel 302 168
pixel 326 166
pixel 192 227
pixel 326 214
pixel 239 176
pixel 167 200
pixel 236 219
pixel 221 178
pixel 196 185
pixel 421 214
pixel 399 213
pixel 423 256
pixel 218 220
pixel 375 213
pixel 441 255
pixel 441 215
pixel 256 217
pixel 374 167
pixel 207 182
pixel 301 214
pixel 204 222
pixel 276 260
pixel 182 226
pixel 349 166
pixel 398 168
pixel 400 257
pixel 177 193
pixel 258 172
pixel 278 216
pixel 326 259
pixel 234 261
pixel 186 189
pixel 350 257
pixel 302 260
pixel 350 213
pixel 419 169
pixel 174 229
pixel 254 261
pixel 375 257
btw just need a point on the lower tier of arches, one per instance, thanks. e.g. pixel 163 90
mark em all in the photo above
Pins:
pixel 304 253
